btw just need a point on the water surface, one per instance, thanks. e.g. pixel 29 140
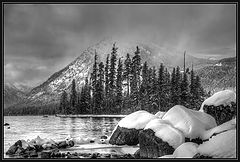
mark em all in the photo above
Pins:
pixel 56 128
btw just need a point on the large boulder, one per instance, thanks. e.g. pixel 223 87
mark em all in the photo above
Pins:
pixel 222 145
pixel 221 105
pixel 192 123
pixel 218 142
pixel 231 124
pixel 127 130
pixel 65 144
pixel 12 150
pixel 159 138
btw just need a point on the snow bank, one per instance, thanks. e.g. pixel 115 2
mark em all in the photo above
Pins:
pixel 192 123
pixel 137 120
pixel 220 98
pixel 160 114
pixel 166 132
pixel 167 156
pixel 222 145
pixel 186 150
pixel 221 128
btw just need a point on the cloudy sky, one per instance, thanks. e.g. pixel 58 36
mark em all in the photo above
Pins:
pixel 42 39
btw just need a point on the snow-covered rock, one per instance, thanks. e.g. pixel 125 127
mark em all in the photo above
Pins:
pixel 160 114
pixel 159 138
pixel 222 106
pixel 164 130
pixel 225 97
pixel 186 150
pixel 222 145
pixel 192 123
pixel 219 129
pixel 127 130
pixel 137 120
pixel 219 142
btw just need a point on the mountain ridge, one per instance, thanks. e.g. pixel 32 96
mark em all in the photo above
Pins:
pixel 80 68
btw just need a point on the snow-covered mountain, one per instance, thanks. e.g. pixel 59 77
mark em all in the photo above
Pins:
pixel 80 68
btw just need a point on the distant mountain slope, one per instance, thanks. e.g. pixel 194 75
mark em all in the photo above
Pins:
pixel 220 76
pixel 50 91
pixel 14 93
pixel 228 61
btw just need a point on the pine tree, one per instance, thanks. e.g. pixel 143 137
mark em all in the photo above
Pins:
pixel 199 92
pixel 82 100
pixel 192 79
pixel 185 95
pixel 167 90
pixel 85 100
pixel 160 88
pixel 144 96
pixel 79 110
pixel 135 80
pixel 137 66
pixel 73 97
pixel 178 86
pixel 192 90
pixel 153 91
pixel 119 86
pixel 100 89
pixel 127 72
pixel 106 101
pixel 173 89
pixel 63 108
pixel 112 74
pixel 161 75
pixel 112 77
pixel 94 82
pixel 149 89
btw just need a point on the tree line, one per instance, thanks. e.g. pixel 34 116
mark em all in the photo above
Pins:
pixel 122 86
pixel 48 109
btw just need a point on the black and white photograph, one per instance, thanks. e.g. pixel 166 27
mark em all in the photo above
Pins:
pixel 119 80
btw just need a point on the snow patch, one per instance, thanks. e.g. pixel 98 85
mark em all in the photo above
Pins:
pixel 218 64
pixel 192 123
pixel 166 132
pixel 166 156
pixel 222 145
pixel 137 120
pixel 220 98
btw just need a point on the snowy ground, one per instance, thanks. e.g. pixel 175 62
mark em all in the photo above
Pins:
pixel 101 148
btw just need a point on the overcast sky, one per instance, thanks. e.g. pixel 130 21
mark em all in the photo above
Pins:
pixel 42 39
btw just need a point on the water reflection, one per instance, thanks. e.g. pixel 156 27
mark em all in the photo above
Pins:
pixel 72 125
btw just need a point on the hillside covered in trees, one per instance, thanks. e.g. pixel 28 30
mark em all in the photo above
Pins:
pixel 124 85
pixel 219 76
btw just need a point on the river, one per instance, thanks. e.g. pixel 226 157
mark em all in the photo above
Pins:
pixel 56 128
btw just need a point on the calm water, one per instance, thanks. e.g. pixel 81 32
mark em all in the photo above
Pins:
pixel 56 128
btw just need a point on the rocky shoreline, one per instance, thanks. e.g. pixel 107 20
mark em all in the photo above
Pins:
pixel 56 154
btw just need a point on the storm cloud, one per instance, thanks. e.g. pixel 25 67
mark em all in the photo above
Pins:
pixel 41 39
